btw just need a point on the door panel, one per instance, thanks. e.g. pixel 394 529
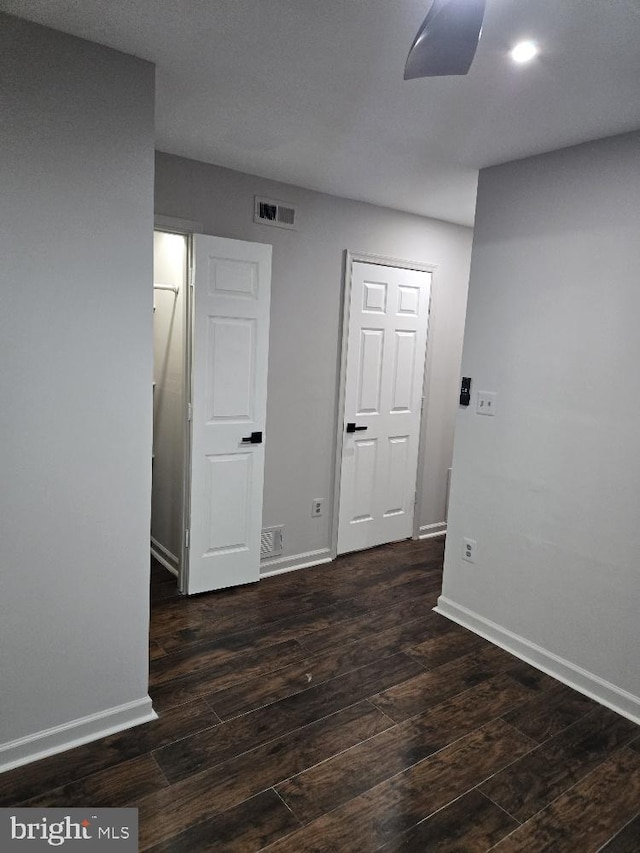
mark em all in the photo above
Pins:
pixel 231 295
pixel 386 347
pixel 233 277
pixel 374 297
pixel 364 480
pixel 395 492
pixel 409 300
pixel 231 369
pixel 229 511
pixel 402 388
pixel 370 374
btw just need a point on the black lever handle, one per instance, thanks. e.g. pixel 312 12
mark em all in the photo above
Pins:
pixel 354 428
pixel 254 438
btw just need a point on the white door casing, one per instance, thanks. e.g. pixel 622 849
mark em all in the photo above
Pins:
pixel 386 347
pixel 231 298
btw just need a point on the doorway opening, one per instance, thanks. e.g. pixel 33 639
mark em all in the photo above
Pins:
pixel 170 397
pixel 211 342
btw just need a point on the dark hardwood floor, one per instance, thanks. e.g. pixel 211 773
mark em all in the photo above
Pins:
pixel 331 710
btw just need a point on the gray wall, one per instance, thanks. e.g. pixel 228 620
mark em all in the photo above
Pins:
pixel 550 486
pixel 305 318
pixel 76 155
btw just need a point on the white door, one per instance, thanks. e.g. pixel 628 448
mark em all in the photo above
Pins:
pixel 231 295
pixel 387 338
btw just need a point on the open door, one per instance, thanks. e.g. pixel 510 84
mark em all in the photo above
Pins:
pixel 231 284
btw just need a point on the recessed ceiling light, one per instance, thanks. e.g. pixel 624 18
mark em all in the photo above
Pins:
pixel 524 51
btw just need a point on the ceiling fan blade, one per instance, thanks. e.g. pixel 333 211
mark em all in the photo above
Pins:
pixel 447 40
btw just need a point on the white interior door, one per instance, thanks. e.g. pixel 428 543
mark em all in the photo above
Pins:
pixel 231 295
pixel 387 338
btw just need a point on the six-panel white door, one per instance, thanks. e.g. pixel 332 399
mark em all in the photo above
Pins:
pixel 231 296
pixel 387 337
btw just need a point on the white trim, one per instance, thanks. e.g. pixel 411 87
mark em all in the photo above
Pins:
pixel 429 531
pixel 390 261
pixel 47 742
pixel 185 553
pixel 560 668
pixel 448 494
pixel 424 406
pixel 175 225
pixel 342 384
pixel 164 557
pixel 280 565
pixel 350 258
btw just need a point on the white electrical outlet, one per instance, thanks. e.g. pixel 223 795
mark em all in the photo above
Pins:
pixel 316 507
pixel 469 550
pixel 486 403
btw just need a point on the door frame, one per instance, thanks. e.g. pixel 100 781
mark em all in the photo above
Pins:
pixel 350 257
pixel 185 228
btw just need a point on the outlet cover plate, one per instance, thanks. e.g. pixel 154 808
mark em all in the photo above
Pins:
pixel 469 550
pixel 486 403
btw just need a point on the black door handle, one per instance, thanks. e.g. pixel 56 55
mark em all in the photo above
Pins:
pixel 354 428
pixel 254 438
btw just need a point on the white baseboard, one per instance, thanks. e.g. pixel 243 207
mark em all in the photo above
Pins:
pixel 165 557
pixel 563 670
pixel 428 531
pixel 15 753
pixel 280 565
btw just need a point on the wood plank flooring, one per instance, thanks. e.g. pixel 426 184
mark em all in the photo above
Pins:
pixel 331 710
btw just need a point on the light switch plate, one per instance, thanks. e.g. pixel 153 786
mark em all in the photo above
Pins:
pixel 486 403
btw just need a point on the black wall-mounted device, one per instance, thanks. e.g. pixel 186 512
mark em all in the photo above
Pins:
pixel 465 391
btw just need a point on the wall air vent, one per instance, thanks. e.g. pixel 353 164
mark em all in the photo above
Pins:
pixel 271 542
pixel 269 212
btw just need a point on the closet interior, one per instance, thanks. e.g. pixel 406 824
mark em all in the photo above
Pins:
pixel 170 307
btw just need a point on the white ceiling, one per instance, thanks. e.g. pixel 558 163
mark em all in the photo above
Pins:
pixel 311 91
